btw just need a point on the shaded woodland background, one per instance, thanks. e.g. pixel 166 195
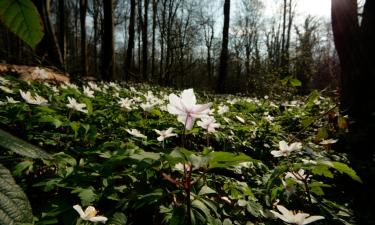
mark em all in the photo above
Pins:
pixel 183 43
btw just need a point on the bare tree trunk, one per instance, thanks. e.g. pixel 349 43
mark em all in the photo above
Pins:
pixel 83 10
pixel 108 56
pixel 62 33
pixel 96 35
pixel 145 40
pixel 49 45
pixel 129 51
pixel 223 68
pixel 154 13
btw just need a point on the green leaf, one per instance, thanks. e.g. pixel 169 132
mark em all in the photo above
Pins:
pixel 118 219
pixel 226 159
pixel 23 19
pixel 343 168
pixel 295 82
pixel 21 147
pixel 14 205
pixel 87 195
pixel 205 190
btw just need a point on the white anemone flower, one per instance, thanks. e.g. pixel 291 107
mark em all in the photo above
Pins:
pixel 136 133
pixel 286 149
pixel 90 214
pixel 208 123
pixel 186 109
pixel 88 92
pixel 240 119
pixel 40 73
pixel 328 142
pixel 73 104
pixel 165 133
pixel 292 217
pixel 147 106
pixel 126 103
pixel 11 100
pixel 37 100
pixel 297 176
pixel 222 109
pixel 6 89
pixel 94 86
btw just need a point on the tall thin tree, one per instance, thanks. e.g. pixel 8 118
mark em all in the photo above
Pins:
pixel 223 67
pixel 82 13
pixel 108 56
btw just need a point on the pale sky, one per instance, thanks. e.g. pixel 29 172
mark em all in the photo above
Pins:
pixel 319 8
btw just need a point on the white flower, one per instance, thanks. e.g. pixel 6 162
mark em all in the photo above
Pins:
pixel 227 120
pixel 226 199
pixel 328 142
pixel 3 81
pixel 269 118
pixel 94 86
pixel 222 109
pixel 37 100
pixel 2 103
pixel 147 106
pixel 6 89
pixel 240 119
pixel 40 73
pixel 126 103
pixel 209 124
pixel 165 134
pixel 89 214
pixel 89 93
pixel 309 161
pixel 136 133
pixel 285 149
pixel 297 176
pixel 73 104
pixel 186 109
pixel 298 218
pixel 11 100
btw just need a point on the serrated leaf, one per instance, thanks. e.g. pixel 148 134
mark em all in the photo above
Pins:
pixel 21 147
pixel 343 168
pixel 23 19
pixel 87 195
pixel 118 219
pixel 14 205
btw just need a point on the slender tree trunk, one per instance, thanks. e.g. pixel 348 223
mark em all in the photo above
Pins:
pixel 154 13
pixel 129 51
pixel 108 56
pixel 62 33
pixel 96 36
pixel 223 68
pixel 49 45
pixel 83 10
pixel 145 40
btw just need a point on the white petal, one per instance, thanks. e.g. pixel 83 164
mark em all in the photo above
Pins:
pixel 78 208
pixel 102 219
pixel 283 146
pixel 288 214
pixel 276 153
pixel 278 215
pixel 188 98
pixel 189 123
pixel 312 219
pixel 174 106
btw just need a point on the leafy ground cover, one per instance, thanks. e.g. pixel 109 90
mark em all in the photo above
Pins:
pixel 139 154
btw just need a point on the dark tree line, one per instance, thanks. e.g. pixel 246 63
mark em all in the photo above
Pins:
pixel 180 43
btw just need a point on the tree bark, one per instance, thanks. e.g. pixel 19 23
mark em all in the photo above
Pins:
pixel 49 47
pixel 108 56
pixel 145 40
pixel 62 33
pixel 129 51
pixel 223 68
pixel 83 10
